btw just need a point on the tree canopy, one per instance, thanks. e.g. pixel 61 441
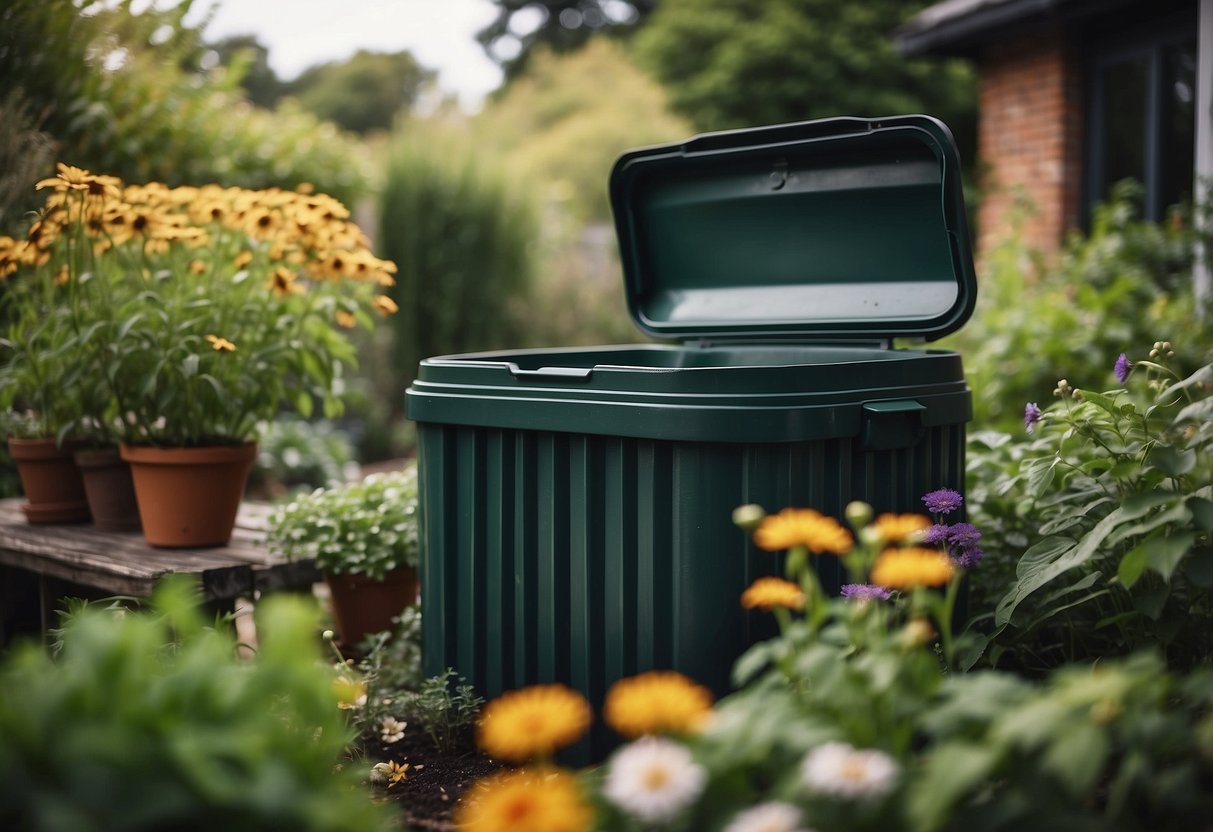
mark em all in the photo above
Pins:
pixel 559 25
pixel 363 93
pixel 739 63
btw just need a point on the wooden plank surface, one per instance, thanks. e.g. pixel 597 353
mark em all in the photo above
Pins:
pixel 122 563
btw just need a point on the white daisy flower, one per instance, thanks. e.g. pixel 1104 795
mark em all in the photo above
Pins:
pixel 767 817
pixel 392 729
pixel 654 779
pixel 841 770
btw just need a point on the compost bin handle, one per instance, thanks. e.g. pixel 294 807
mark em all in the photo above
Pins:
pixel 889 425
pixel 552 373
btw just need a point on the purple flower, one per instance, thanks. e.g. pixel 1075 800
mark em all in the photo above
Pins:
pixel 943 501
pixel 964 535
pixel 937 534
pixel 1031 415
pixel 970 557
pixel 1122 368
pixel 865 592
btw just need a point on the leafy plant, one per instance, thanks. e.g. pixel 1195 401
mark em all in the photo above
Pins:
pixel 1111 509
pixel 447 708
pixel 1126 282
pixel 363 528
pixel 152 721
pixel 184 316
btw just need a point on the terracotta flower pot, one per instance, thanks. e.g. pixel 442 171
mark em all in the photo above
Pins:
pixel 51 481
pixel 109 489
pixel 362 606
pixel 188 497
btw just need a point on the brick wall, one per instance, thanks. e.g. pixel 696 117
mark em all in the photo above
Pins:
pixel 1029 139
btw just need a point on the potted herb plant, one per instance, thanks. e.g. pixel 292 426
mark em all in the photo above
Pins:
pixel 364 538
pixel 207 310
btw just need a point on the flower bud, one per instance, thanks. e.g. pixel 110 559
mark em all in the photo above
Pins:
pixel 858 513
pixel 870 536
pixel 328 635
pixel 917 633
pixel 748 517
pixel 1062 388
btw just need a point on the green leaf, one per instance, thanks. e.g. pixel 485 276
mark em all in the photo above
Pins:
pixel 1040 572
pixel 1202 513
pixel 753 661
pixel 1040 475
pixel 1199 411
pixel 189 367
pixel 952 771
pixel 1101 401
pixel 1076 756
pixel 1172 461
pixel 1139 505
pixel 1163 552
pixel 1132 566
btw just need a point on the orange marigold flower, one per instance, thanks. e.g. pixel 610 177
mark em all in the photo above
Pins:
pixel 385 305
pixel 221 344
pixel 912 567
pixel 769 593
pixel 531 722
pixel 802 527
pixel 525 800
pixel 657 702
pixel 900 528
pixel 345 319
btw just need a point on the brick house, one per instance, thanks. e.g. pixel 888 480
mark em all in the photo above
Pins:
pixel 1076 95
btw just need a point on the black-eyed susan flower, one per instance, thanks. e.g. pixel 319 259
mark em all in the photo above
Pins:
pixel 385 305
pixel 390 772
pixel 524 801
pixel 912 567
pixel 657 702
pixel 802 527
pixel 773 593
pixel 535 721
pixel 77 179
pixel 219 344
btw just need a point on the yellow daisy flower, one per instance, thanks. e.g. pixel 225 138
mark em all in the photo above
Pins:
pixel 900 528
pixel 769 593
pixel 524 801
pixel 70 178
pixel 532 722
pixel 657 702
pixel 912 567
pixel 803 527
pixel 385 305
pixel 221 344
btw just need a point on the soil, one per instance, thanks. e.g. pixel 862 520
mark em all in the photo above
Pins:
pixel 434 782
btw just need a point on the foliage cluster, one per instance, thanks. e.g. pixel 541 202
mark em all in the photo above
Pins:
pixel 181 316
pixel 1111 506
pixel 125 91
pixel 461 235
pixel 728 64
pixel 1126 282
pixel 367 527
pixel 295 454
pixel 152 721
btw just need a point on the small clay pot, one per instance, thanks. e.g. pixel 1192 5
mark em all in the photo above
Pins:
pixel 51 481
pixel 109 489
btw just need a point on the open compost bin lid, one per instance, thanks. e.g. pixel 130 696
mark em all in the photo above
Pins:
pixel 838 229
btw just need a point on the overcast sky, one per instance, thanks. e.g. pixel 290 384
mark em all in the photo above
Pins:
pixel 300 33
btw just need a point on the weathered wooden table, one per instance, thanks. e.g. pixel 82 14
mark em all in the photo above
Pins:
pixel 54 561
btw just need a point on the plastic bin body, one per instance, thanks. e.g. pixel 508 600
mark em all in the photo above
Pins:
pixel 576 503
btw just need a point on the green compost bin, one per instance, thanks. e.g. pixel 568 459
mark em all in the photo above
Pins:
pixel 576 503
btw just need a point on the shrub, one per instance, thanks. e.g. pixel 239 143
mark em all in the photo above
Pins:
pixel 1127 282
pixel 461 235
pixel 1105 518
pixel 151 721
pixel 294 454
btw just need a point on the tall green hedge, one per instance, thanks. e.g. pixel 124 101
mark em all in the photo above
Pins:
pixel 462 236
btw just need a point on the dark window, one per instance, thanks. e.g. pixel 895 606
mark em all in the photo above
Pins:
pixel 1141 122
